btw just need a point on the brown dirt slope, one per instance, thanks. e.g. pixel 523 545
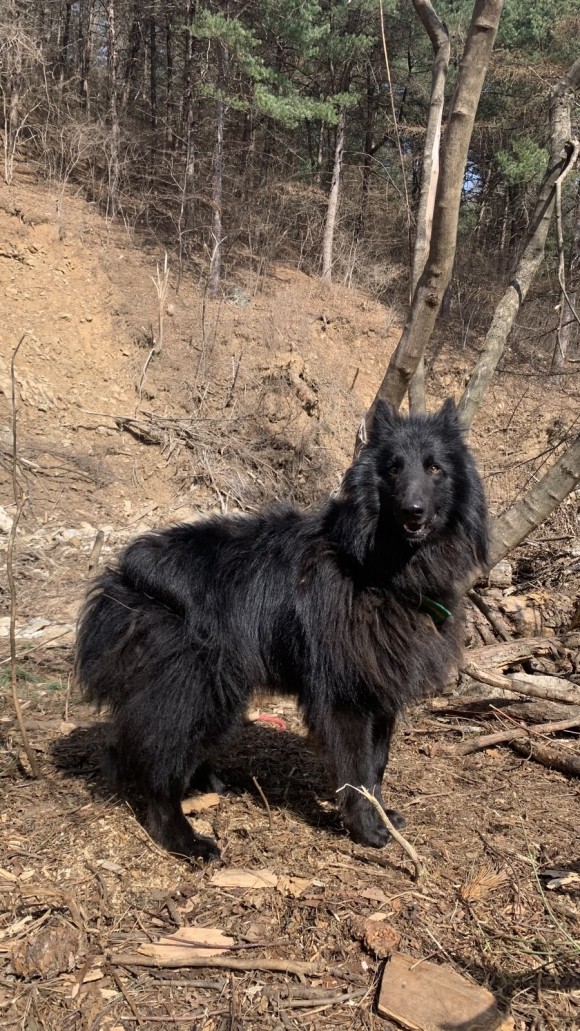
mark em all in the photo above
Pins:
pixel 252 397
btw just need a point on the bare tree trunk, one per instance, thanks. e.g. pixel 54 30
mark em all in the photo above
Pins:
pixel 134 46
pixel 568 328
pixel 63 61
pixel 86 24
pixel 437 272
pixel 218 161
pixel 514 525
pixel 370 114
pixel 186 213
pixel 114 169
pixel 330 223
pixel 169 79
pixel 439 36
pixel 153 79
pixel 561 159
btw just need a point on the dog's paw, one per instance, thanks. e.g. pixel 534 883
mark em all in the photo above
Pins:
pixel 205 849
pixel 373 837
pixel 397 819
pixel 371 830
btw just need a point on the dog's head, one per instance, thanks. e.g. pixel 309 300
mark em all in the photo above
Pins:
pixel 414 480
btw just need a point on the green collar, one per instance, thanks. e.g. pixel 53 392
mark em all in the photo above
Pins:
pixel 434 609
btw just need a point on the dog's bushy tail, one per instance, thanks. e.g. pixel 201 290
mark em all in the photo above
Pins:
pixel 107 644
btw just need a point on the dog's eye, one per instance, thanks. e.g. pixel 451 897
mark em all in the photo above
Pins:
pixel 393 469
pixel 433 469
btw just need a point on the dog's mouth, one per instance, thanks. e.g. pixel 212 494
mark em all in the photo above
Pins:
pixel 415 529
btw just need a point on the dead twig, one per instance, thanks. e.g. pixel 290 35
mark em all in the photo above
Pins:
pixel 503 736
pixel 323 1000
pixel 161 283
pixel 19 500
pixel 264 800
pixel 277 966
pixel 96 551
pixel 114 975
pixel 408 848
pixel 555 689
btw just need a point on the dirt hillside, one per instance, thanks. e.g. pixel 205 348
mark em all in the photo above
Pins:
pixel 252 397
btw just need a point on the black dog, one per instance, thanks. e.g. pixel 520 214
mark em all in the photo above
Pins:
pixel 354 608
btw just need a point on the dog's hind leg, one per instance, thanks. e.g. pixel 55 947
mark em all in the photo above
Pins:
pixel 357 746
pixel 168 826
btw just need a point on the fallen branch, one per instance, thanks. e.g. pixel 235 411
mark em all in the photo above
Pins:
pixel 555 689
pixel 548 756
pixel 503 736
pixel 398 837
pixel 277 966
pixel 494 619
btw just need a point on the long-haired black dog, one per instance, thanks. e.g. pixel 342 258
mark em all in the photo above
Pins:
pixel 354 608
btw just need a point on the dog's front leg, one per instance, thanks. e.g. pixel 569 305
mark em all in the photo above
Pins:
pixel 358 748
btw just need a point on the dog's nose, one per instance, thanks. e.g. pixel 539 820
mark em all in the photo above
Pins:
pixel 415 509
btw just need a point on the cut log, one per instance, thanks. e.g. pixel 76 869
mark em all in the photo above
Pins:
pixel 550 756
pixel 502 654
pixel 556 689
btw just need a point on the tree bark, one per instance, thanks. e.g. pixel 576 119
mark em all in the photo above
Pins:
pixel 560 162
pixel 186 213
pixel 436 274
pixel 86 24
pixel 439 36
pixel 517 522
pixel 568 328
pixel 153 75
pixel 330 223
pixel 114 165
pixel 218 161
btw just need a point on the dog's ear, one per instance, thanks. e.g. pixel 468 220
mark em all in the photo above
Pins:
pixel 449 414
pixel 385 418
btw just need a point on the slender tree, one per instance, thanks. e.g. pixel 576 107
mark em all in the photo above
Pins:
pixel 437 271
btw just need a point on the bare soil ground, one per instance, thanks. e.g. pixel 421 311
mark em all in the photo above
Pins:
pixel 255 396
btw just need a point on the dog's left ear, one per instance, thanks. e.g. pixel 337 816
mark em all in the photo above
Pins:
pixel 385 418
pixel 448 413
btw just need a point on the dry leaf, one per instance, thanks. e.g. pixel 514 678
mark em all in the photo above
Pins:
pixel 293 886
pixel 200 803
pixel 181 945
pixel 106 864
pixel 235 878
pixel 374 895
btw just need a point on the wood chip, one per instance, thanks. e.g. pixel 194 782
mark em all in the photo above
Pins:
pixel 200 803
pixel 188 942
pixel 424 996
pixel 235 878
